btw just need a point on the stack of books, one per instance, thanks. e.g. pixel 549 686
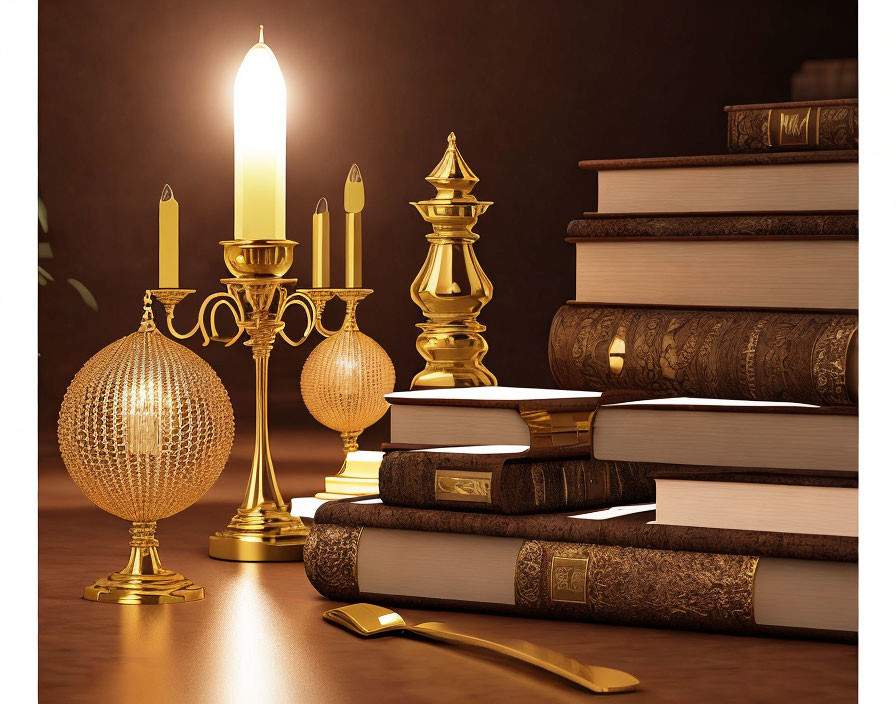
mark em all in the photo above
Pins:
pixel 699 468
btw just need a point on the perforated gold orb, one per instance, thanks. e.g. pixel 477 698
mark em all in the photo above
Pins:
pixel 343 383
pixel 145 429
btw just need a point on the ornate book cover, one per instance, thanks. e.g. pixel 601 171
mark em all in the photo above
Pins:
pixel 566 578
pixel 823 124
pixel 749 159
pixel 723 226
pixel 510 483
pixel 807 357
pixel 633 530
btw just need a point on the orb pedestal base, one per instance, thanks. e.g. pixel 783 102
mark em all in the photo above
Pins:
pixel 166 587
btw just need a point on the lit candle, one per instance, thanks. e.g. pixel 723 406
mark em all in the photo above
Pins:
pixel 320 245
pixel 168 239
pixel 259 146
pixel 354 204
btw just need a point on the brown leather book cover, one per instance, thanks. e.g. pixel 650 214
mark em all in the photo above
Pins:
pixel 728 226
pixel 599 579
pixel 761 355
pixel 633 530
pixel 761 159
pixel 753 475
pixel 820 125
pixel 510 483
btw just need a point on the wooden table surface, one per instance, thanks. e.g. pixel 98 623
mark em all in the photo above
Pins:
pixel 258 635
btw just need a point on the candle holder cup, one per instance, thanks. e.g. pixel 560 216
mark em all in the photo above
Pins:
pixel 262 530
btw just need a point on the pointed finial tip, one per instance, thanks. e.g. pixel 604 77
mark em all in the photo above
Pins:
pixel 322 207
pixel 167 193
pixel 261 34
pixel 451 139
pixel 354 174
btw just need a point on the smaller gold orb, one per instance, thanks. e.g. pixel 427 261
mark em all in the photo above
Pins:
pixel 344 380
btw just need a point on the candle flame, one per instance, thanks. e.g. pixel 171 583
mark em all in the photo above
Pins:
pixel 322 207
pixel 354 174
pixel 167 194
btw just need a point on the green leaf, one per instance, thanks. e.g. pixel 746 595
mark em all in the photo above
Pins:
pixel 44 251
pixel 86 295
pixel 42 216
pixel 44 273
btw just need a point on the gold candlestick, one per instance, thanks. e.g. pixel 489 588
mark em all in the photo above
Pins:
pixel 354 204
pixel 452 288
pixel 262 530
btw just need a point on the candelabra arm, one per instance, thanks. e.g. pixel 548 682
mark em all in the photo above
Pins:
pixel 169 298
pixel 298 298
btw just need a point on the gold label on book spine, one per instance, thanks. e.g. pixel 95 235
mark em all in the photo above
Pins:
pixel 793 127
pixel 454 485
pixel 549 429
pixel 569 576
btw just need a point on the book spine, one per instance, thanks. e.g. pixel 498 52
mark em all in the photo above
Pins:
pixel 792 128
pixel 755 355
pixel 813 225
pixel 440 481
pixel 583 582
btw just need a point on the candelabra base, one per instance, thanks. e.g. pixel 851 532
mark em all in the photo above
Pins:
pixel 358 476
pixel 260 535
pixel 164 587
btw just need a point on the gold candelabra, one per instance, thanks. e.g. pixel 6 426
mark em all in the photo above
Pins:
pixel 262 530
pixel 452 288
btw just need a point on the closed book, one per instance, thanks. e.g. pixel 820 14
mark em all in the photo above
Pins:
pixel 791 501
pixel 816 124
pixel 487 478
pixel 775 181
pixel 700 432
pixel 606 566
pixel 768 355
pixel 544 420
pixel 754 264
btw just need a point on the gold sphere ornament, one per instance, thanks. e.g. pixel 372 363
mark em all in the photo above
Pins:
pixel 145 428
pixel 344 381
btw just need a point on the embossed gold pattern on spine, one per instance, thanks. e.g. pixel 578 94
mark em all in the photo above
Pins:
pixel 457 485
pixel 452 288
pixel 262 530
pixel 636 586
pixel 331 560
pixel 820 127
pixel 758 355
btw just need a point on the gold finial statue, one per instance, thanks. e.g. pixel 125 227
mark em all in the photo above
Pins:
pixel 452 288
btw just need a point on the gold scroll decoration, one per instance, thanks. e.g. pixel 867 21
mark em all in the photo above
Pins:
pixel 331 560
pixel 636 586
pixel 462 485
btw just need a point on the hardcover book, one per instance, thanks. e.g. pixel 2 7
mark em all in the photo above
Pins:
pixel 809 502
pixel 699 432
pixel 768 355
pixel 545 420
pixel 805 271
pixel 818 124
pixel 500 479
pixel 777 181
pixel 609 566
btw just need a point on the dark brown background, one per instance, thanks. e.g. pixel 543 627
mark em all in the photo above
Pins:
pixel 134 95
